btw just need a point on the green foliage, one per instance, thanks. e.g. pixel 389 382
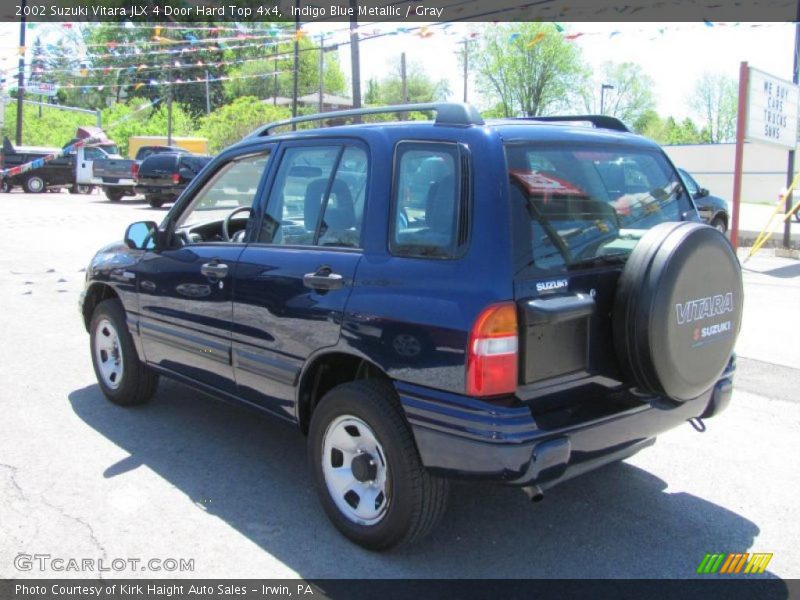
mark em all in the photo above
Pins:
pixel 667 131
pixel 528 68
pixel 55 127
pixel 230 123
pixel 630 97
pixel 714 102
pixel 256 78
pixel 421 88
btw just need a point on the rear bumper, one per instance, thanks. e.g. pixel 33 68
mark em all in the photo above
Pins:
pixel 459 436
pixel 159 190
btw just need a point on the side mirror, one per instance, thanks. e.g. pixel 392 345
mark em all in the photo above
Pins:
pixel 702 193
pixel 141 235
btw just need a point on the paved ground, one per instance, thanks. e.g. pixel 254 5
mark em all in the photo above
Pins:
pixel 188 477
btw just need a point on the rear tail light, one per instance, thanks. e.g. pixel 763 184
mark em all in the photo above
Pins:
pixel 176 179
pixel 492 355
pixel 135 170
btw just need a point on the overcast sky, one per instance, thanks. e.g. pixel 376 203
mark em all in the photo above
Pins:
pixel 674 54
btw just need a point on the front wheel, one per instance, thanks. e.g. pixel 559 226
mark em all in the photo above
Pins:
pixel 123 378
pixel 366 468
pixel 720 224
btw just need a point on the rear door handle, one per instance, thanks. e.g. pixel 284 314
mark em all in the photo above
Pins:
pixel 323 279
pixel 214 269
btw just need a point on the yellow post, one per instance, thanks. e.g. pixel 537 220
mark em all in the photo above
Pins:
pixel 765 234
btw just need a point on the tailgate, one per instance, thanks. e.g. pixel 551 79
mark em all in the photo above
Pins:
pixel 113 168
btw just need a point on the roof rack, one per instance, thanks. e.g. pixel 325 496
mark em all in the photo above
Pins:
pixel 599 121
pixel 447 113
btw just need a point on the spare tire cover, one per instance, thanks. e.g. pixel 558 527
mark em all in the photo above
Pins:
pixel 678 310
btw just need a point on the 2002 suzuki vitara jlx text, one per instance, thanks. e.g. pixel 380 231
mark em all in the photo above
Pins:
pixel 518 301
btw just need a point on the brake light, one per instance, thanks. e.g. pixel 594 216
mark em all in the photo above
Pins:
pixel 176 179
pixel 135 170
pixel 492 354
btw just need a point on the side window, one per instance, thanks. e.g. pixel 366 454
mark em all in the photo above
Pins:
pixel 232 187
pixel 93 153
pixel 429 211
pixel 317 198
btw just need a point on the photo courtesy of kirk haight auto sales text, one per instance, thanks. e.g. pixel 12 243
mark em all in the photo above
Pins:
pixel 161 590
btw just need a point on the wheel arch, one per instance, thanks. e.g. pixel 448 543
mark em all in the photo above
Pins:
pixel 97 293
pixel 325 371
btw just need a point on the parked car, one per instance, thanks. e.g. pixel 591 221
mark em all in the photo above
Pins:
pixel 427 301
pixel 146 151
pixel 54 174
pixel 163 176
pixel 713 210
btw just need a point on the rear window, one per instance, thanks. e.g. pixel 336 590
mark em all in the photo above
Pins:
pixel 194 163
pixel 429 209
pixel 159 162
pixel 591 202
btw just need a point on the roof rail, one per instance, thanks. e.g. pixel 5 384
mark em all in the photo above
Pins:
pixel 599 121
pixel 447 113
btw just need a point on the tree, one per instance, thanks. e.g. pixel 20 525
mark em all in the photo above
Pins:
pixel 528 68
pixel 667 131
pixel 230 123
pixel 420 87
pixel 630 97
pixel 714 102
pixel 257 77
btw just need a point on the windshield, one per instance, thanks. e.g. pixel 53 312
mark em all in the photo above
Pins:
pixel 591 202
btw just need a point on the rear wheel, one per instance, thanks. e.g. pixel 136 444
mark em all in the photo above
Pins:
pixel 720 224
pixel 154 201
pixel 6 186
pixel 114 195
pixel 366 468
pixel 80 188
pixel 34 184
pixel 123 378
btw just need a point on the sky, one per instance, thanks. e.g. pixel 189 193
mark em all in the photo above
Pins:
pixel 675 55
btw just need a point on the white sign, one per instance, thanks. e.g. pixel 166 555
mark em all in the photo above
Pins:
pixel 771 110
pixel 41 88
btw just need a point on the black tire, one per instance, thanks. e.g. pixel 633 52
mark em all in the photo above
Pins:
pixel 34 184
pixel 154 201
pixel 114 195
pixel 80 188
pixel 137 383
pixel 720 224
pixel 415 499
pixel 6 187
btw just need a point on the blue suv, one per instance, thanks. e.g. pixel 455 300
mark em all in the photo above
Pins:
pixel 517 301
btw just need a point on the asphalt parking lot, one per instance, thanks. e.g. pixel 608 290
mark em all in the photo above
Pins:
pixel 187 477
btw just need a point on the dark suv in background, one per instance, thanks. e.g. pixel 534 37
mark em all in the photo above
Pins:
pixel 163 176
pixel 519 301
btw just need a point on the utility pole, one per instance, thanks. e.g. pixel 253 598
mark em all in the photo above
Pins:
pixel 21 74
pixel 321 70
pixel 466 66
pixel 787 225
pixel 403 79
pixel 275 78
pixel 208 95
pixel 169 107
pixel 603 88
pixel 296 73
pixel 355 62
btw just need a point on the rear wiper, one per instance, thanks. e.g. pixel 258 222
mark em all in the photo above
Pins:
pixel 603 259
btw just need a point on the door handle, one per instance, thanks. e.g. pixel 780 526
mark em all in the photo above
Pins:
pixel 323 279
pixel 214 269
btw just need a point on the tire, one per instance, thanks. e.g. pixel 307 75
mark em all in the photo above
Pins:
pixel 409 501
pixel 34 184
pixel 6 187
pixel 122 377
pixel 114 195
pixel 720 224
pixel 154 201
pixel 678 310
pixel 81 188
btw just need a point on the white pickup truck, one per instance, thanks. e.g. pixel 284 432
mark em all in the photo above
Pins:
pixel 102 166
